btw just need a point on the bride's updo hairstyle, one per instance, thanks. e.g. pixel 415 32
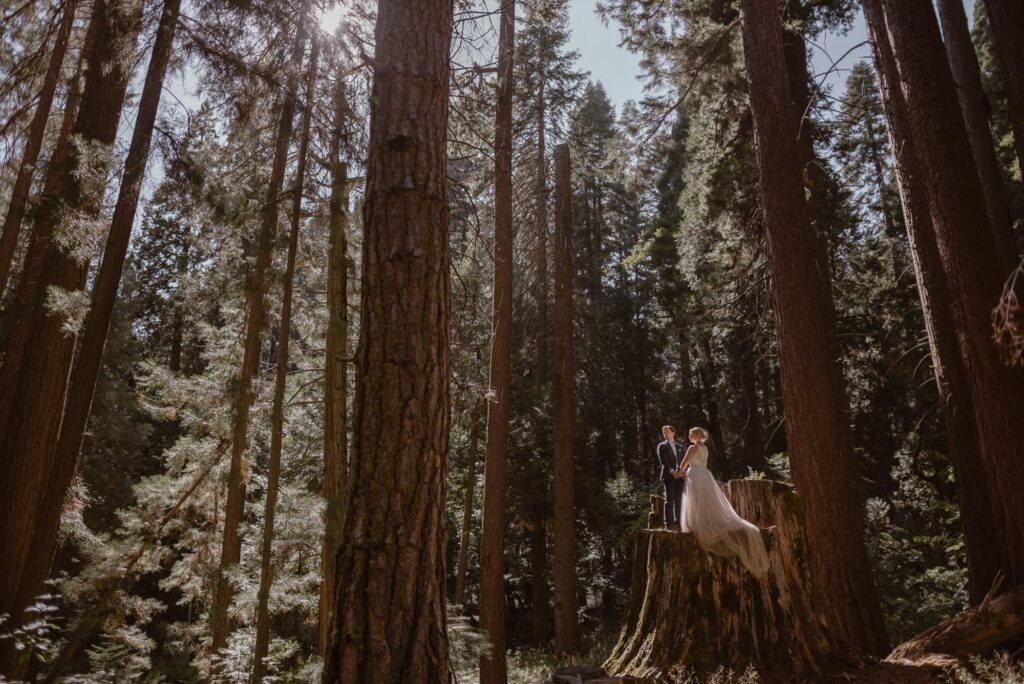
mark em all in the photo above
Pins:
pixel 698 431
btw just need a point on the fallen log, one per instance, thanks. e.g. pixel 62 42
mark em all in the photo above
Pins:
pixel 994 623
pixel 689 610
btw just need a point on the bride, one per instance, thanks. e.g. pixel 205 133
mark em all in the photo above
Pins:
pixel 707 513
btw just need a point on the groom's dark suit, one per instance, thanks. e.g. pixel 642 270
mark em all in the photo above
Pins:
pixel 670 459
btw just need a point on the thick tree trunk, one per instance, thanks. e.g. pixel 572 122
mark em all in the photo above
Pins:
pixel 969 257
pixel 476 417
pixel 493 669
pixel 336 360
pixel 821 455
pixel 82 384
pixel 38 356
pixel 389 605
pixel 33 144
pixel 231 543
pixel 963 63
pixel 721 615
pixel 564 506
pixel 1007 20
pixel 280 381
pixel 984 553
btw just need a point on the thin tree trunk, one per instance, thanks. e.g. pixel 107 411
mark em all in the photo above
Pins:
pixel 564 506
pixel 963 63
pixel 539 597
pixel 178 314
pixel 543 332
pixel 753 440
pixel 33 144
pixel 707 371
pixel 1007 20
pixel 968 253
pixel 35 370
pixel 821 454
pixel 389 620
pixel 336 375
pixel 476 417
pixel 493 669
pixel 82 383
pixel 231 546
pixel 280 382
pixel 984 556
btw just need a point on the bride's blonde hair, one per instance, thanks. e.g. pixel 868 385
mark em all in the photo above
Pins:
pixel 698 430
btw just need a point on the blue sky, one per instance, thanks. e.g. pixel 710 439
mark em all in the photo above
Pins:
pixel 617 69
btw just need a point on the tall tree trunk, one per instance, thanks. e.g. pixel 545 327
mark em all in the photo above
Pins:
pixel 564 506
pixel 543 332
pixel 541 619
pixel 821 455
pixel 984 553
pixel 389 605
pixel 34 143
pixel 82 383
pixel 178 313
pixel 280 382
pixel 35 368
pixel 1007 20
pixel 476 418
pixel 753 440
pixel 493 669
pixel 231 544
pixel 968 253
pixel 963 63
pixel 336 374
pixel 707 370
pixel 539 601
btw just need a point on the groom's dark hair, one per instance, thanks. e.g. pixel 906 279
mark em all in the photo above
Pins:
pixel 667 427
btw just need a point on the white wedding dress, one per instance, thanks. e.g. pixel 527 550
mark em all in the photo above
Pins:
pixel 711 518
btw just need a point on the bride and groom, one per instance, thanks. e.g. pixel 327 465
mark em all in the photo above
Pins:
pixel 695 503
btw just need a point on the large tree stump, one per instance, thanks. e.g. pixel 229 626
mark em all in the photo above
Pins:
pixel 691 610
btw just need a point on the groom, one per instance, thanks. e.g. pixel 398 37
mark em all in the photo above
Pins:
pixel 670 453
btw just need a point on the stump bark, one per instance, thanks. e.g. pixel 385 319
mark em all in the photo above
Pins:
pixel 689 610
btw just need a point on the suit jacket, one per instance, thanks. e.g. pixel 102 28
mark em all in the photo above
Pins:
pixel 670 461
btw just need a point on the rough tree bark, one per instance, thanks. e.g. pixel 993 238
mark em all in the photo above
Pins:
pixel 753 439
pixel 1007 20
pixel 256 286
pixel 389 605
pixel 493 669
pixel 541 614
pixel 720 614
pixel 280 382
pixel 564 506
pixel 968 254
pixel 34 143
pixel 963 63
pixel 82 383
pixel 821 455
pixel 996 622
pixel 984 555
pixel 541 294
pixel 336 361
pixel 476 418
pixel 38 354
